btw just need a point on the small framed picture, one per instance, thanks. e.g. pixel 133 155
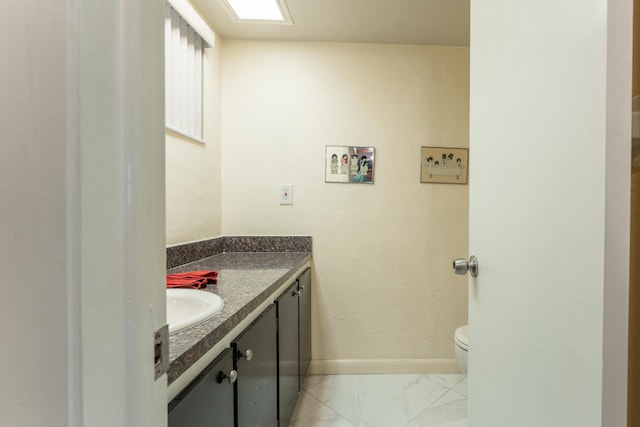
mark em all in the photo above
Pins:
pixel 444 165
pixel 349 165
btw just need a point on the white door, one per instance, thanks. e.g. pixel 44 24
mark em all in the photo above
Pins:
pixel 549 162
pixel 119 73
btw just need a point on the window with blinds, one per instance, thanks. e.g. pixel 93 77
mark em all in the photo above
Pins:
pixel 184 49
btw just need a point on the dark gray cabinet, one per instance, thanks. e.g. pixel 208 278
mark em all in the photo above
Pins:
pixel 208 399
pixel 304 289
pixel 294 343
pixel 288 353
pixel 256 389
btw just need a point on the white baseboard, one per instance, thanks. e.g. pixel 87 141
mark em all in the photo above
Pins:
pixel 383 366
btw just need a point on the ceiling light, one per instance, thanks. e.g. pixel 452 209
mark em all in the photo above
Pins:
pixel 259 10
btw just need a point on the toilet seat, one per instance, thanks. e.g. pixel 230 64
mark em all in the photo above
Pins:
pixel 461 337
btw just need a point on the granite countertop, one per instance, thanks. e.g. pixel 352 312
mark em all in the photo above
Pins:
pixel 245 280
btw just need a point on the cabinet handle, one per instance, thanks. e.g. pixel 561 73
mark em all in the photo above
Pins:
pixel 295 293
pixel 232 377
pixel 247 355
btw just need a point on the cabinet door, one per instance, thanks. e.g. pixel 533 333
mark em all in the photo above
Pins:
pixel 304 288
pixel 256 388
pixel 288 375
pixel 208 400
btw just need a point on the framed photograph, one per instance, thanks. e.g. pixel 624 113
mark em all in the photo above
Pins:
pixel 444 165
pixel 349 165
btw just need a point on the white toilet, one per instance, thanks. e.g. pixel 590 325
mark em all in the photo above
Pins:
pixel 461 340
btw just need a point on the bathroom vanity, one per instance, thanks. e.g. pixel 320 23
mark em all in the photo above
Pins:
pixel 243 366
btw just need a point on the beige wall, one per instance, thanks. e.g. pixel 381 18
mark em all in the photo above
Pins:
pixel 193 168
pixel 633 390
pixel 38 182
pixel 384 288
pixel 636 48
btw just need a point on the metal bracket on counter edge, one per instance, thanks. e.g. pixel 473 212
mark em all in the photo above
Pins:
pixel 161 351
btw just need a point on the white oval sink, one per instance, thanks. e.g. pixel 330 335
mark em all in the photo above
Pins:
pixel 186 307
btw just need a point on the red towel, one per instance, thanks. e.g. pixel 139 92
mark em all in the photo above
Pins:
pixel 192 279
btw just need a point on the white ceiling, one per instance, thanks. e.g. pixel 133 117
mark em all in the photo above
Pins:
pixel 426 22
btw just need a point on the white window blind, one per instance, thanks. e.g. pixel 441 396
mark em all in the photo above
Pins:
pixel 184 49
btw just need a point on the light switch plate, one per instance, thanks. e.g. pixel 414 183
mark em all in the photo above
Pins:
pixel 286 194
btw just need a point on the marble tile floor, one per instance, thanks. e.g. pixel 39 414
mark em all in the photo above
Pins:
pixel 398 400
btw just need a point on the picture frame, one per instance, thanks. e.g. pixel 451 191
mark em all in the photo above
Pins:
pixel 349 164
pixel 444 165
